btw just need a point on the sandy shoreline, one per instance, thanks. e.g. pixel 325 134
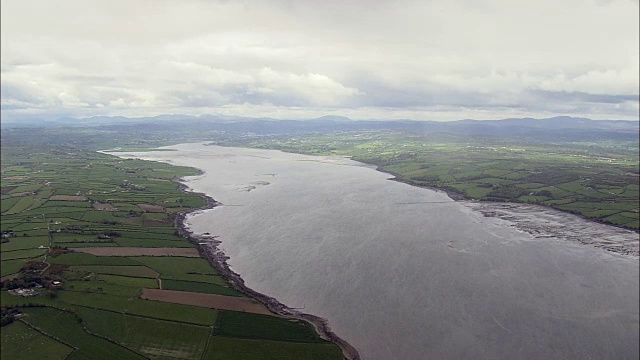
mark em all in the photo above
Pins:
pixel 209 249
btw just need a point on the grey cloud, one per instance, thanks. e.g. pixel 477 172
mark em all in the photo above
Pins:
pixel 581 97
pixel 364 58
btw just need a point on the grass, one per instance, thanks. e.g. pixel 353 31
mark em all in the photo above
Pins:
pixel 152 243
pixel 153 309
pixel 126 270
pixel 11 266
pixel 156 339
pixel 179 268
pixel 87 244
pixel 21 205
pixel 20 341
pixel 255 326
pixel 22 254
pixel 88 259
pixel 19 243
pixel 128 281
pixel 198 287
pixel 102 287
pixel 61 237
pixel 221 348
pixel 8 203
pixel 67 327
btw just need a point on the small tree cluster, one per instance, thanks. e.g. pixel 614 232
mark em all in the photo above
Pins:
pixel 8 314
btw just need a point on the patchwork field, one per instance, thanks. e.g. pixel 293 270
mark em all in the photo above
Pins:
pixel 88 253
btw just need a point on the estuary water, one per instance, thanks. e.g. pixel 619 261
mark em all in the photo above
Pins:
pixel 402 272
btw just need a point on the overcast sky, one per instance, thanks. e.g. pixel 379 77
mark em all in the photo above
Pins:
pixel 438 59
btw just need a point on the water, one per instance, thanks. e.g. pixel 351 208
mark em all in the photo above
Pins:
pixel 406 273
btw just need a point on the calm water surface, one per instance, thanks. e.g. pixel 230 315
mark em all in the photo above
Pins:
pixel 406 273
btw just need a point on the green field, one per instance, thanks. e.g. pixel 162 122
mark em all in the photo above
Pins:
pixel 177 268
pixel 67 327
pixel 128 281
pixel 199 287
pixel 255 326
pixel 90 306
pixel 25 243
pixel 125 270
pixel 154 338
pixel 20 341
pixel 221 348
pixel 88 259
pixel 11 266
pixel 22 254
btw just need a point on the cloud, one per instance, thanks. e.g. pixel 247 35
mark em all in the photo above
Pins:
pixel 291 58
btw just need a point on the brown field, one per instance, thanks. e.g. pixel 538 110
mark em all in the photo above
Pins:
pixel 22 193
pixel 7 189
pixel 161 180
pixel 10 277
pixel 104 206
pixel 19 177
pixel 68 198
pixel 138 251
pixel 154 223
pixel 151 208
pixel 206 300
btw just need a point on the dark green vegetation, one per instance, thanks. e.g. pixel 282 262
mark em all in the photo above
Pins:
pixel 21 341
pixel 598 180
pixel 62 304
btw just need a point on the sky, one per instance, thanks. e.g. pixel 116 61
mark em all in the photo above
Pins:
pixel 365 59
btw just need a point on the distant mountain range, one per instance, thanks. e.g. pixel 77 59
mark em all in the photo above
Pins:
pixel 559 122
pixel 562 128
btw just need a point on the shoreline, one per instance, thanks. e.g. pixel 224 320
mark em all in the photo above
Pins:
pixel 452 194
pixel 208 247
pixel 500 210
pixel 456 196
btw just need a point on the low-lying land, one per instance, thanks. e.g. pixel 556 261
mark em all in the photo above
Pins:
pixel 86 235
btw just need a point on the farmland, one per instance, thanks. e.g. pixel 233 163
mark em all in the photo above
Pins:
pixel 20 341
pixel 120 215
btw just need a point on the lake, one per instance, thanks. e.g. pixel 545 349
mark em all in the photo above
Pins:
pixel 402 272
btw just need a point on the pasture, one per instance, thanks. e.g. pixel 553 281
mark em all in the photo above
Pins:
pixel 97 231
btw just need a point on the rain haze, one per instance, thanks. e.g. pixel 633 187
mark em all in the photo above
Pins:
pixel 424 60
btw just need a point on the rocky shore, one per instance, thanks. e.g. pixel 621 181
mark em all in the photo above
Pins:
pixel 544 222
pixel 208 246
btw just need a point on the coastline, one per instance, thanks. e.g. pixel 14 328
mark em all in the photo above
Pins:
pixel 208 248
pixel 469 254
pixel 517 214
